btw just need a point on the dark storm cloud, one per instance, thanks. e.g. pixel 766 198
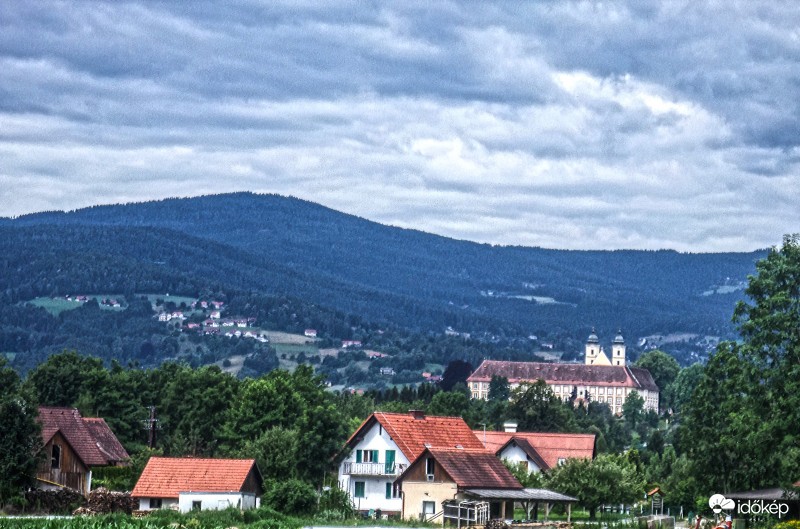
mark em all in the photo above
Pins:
pixel 560 124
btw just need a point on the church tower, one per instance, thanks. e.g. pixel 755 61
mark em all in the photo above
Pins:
pixel 592 348
pixel 618 350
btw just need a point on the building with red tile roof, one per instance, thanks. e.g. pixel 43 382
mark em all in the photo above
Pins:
pixel 198 484
pixel 540 451
pixel 384 446
pixel 73 445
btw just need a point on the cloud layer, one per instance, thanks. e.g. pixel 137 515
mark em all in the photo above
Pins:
pixel 557 124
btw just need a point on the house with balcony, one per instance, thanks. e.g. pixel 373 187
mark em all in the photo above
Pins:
pixel 382 448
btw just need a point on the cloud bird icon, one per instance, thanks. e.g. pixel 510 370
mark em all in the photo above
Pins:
pixel 718 503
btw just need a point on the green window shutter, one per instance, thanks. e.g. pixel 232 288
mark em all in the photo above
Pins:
pixel 359 492
pixel 358 456
pixel 389 462
pixel 375 455
pixel 389 491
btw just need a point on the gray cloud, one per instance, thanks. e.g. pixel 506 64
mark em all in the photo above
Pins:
pixel 566 125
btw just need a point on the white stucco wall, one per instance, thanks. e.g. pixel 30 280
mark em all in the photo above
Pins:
pixel 210 501
pixel 375 438
pixel 515 454
pixel 166 503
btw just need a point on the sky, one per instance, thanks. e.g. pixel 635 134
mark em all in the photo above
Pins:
pixel 577 125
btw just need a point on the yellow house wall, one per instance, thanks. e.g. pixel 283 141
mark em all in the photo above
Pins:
pixel 415 492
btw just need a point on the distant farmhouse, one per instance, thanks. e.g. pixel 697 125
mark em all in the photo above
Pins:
pixel 194 484
pixel 599 379
pixel 73 446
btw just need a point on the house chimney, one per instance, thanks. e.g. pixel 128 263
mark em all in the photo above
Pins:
pixel 417 414
pixel 510 427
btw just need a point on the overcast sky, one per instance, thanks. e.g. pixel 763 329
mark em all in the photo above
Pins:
pixel 597 125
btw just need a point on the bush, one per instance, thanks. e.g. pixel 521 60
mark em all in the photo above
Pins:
pixel 292 497
pixel 335 504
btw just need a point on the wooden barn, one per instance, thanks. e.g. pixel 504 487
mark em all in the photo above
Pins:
pixel 73 445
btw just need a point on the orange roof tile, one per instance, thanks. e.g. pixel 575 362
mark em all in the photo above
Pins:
pixel 413 432
pixel 166 477
pixel 549 446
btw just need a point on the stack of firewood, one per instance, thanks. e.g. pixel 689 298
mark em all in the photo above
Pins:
pixel 496 524
pixel 52 501
pixel 104 501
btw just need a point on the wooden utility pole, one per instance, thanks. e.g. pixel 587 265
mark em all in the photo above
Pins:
pixel 151 425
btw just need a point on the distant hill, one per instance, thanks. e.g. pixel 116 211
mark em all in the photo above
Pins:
pixel 279 245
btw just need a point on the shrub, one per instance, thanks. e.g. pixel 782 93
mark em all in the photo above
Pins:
pixel 292 497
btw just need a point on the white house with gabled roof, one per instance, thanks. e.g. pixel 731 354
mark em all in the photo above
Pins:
pixel 382 448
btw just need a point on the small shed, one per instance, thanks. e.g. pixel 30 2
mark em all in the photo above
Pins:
pixel 656 501
pixel 188 484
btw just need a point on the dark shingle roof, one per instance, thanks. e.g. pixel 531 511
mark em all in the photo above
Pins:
pixel 107 442
pixel 474 468
pixel 69 422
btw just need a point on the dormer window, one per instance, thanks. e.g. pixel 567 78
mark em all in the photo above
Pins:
pixel 55 459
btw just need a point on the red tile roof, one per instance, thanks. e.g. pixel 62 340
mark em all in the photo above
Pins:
pixel 472 469
pixel 413 432
pixel 550 447
pixel 69 422
pixel 166 477
pixel 575 374
pixel 107 442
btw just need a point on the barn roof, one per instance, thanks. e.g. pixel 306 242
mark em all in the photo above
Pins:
pixel 107 442
pixel 414 431
pixel 167 477
pixel 71 425
pixel 575 374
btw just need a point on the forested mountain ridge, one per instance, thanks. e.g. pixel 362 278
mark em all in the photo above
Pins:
pixel 285 246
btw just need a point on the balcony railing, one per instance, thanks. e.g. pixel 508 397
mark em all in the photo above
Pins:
pixel 373 469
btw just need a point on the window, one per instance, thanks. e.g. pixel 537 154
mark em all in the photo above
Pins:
pixel 619 391
pixel 389 490
pixel 601 391
pixel 430 466
pixel 428 508
pixel 619 400
pixel 197 505
pixel 562 460
pixel 155 503
pixel 366 456
pixel 55 460
pixel 359 490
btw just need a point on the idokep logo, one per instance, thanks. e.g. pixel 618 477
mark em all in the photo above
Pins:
pixel 718 503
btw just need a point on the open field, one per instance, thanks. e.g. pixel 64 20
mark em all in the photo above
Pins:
pixel 287 338
pixel 56 306
pixel 175 299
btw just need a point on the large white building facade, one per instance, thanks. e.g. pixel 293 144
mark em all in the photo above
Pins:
pixel 599 379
